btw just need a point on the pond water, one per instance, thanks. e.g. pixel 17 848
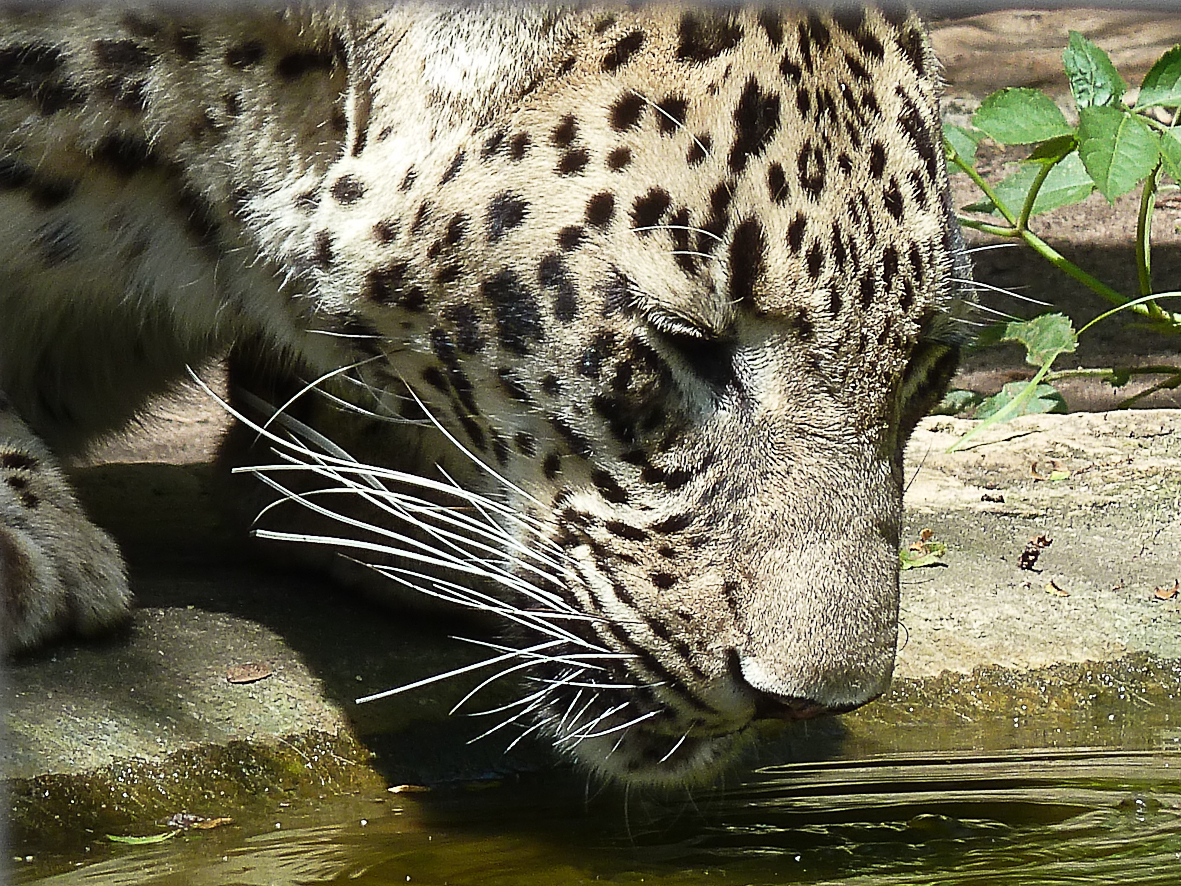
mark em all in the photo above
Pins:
pixel 1020 817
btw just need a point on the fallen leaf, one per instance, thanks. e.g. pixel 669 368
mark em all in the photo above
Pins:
pixel 1052 588
pixel 186 820
pixel 926 552
pixel 1167 593
pixel 249 672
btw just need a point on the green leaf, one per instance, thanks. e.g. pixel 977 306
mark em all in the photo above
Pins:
pixel 1120 376
pixel 1044 399
pixel 1094 81
pixel 1019 116
pixel 932 553
pixel 1067 183
pixel 1053 149
pixel 957 402
pixel 143 841
pixel 1118 149
pixel 1045 337
pixel 964 142
pixel 1170 151
pixel 1162 84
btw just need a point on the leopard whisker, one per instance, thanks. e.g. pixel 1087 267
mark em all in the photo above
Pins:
pixel 464 554
pixel 455 672
pixel 676 747
pixel 691 228
pixel 979 285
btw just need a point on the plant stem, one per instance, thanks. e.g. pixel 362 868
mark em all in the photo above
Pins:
pixel 1050 254
pixel 1031 197
pixel 1144 237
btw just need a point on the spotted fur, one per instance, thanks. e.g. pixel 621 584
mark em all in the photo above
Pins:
pixel 664 291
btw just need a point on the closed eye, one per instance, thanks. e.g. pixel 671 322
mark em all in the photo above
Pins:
pixel 708 358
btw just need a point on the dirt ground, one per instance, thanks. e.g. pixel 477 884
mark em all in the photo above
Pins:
pixel 88 723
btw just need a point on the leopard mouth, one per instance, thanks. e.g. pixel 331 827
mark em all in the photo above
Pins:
pixel 664 750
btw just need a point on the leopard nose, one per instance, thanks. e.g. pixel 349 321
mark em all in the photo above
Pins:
pixel 776 698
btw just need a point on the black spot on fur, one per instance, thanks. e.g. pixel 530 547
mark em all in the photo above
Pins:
pixel 812 169
pixel 551 466
pixel 33 71
pixel 322 250
pixel 456 228
pixel 121 55
pixel 125 155
pixel 625 47
pixel 747 257
pixel 518 316
pixel 526 443
pixel 608 486
pixel 14 174
pixel 243 55
pixel 388 286
pixel 554 277
pixel 815 259
pixel 625 531
pixel 699 150
pixel 48 193
pixel 453 169
pixel 889 267
pixel 200 217
pixel 648 210
pixel 467 328
pixel 870 45
pixel 704 35
pixel 563 135
pixel 910 41
pixel 776 183
pixel 625 112
pixel 755 120
pixel 518 147
pixel 512 386
pixel 506 212
pixel 866 289
pixel 493 144
pixel 911 121
pixel 571 237
pixel 892 196
pixel 348 189
pixel 187 44
pixel 772 24
pixel 294 65
pixel 600 209
pixel 57 242
pixel 671 114
pixel 675 523
pixel 877 160
pixel 579 444
pixel 573 161
pixel 385 231
pixel 618 159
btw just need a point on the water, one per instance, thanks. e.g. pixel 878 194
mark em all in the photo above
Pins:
pixel 1031 817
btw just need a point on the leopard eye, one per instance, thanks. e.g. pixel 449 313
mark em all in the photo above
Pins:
pixel 706 357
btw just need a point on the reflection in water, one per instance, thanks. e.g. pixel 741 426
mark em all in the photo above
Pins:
pixel 1019 818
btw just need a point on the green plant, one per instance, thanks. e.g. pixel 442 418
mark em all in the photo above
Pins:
pixel 1115 146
